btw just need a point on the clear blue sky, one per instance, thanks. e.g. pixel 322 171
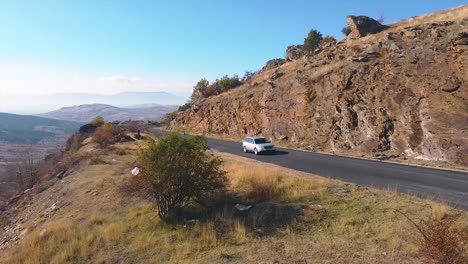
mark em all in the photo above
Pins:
pixel 163 45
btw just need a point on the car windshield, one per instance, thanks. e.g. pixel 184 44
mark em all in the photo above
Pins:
pixel 260 141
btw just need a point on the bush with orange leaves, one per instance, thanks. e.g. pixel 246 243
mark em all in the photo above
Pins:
pixel 105 134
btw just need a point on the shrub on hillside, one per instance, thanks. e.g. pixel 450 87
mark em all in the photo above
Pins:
pixel 97 121
pixel 312 41
pixel 326 40
pixel 346 31
pixel 74 142
pixel 169 117
pixel 248 77
pixel 440 240
pixel 184 107
pixel 204 89
pixel 177 170
pixel 226 83
pixel 105 134
pixel 199 90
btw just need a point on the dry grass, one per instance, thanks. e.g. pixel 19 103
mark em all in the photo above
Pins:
pixel 439 211
pixel 298 217
pixel 259 182
pixel 452 14
pixel 439 239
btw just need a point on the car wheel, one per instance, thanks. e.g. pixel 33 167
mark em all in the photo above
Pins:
pixel 256 151
pixel 245 150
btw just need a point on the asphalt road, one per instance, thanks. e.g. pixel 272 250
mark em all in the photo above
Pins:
pixel 443 185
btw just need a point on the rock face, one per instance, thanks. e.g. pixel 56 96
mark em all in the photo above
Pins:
pixel 294 52
pixel 362 26
pixel 274 63
pixel 402 92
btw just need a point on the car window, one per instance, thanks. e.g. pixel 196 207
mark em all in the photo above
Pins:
pixel 246 140
pixel 260 141
pixel 251 140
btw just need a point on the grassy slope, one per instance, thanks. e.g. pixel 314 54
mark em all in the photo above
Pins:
pixel 314 219
pixel 31 129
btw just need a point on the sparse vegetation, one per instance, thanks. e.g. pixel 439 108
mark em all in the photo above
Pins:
pixel 311 218
pixel 169 117
pixel 105 134
pixel 381 19
pixel 26 169
pixel 327 40
pixel 178 170
pixel 74 142
pixel 312 41
pixel 346 30
pixel 439 239
pixel 204 89
pixel 184 107
pixel 287 216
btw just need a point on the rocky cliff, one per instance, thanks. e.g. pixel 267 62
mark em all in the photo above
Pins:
pixel 401 92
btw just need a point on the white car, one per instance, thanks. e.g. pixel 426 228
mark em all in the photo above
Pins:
pixel 257 145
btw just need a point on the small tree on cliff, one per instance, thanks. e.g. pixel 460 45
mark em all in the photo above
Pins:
pixel 176 170
pixel 312 41
pixel 199 90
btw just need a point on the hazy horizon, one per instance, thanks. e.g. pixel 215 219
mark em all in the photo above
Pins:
pixel 33 104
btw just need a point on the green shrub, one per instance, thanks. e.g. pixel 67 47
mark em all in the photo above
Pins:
pixel 199 89
pixel 169 117
pixel 178 170
pixel 97 121
pixel 226 83
pixel 204 89
pixel 312 41
pixel 184 107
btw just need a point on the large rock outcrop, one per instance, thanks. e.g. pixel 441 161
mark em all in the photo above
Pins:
pixel 274 63
pixel 400 92
pixel 294 52
pixel 362 26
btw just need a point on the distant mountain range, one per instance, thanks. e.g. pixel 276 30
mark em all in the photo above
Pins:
pixel 33 104
pixel 86 113
pixel 24 129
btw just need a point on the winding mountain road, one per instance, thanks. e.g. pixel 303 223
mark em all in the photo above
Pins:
pixel 438 184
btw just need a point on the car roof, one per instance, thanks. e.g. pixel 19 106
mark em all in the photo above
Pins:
pixel 256 137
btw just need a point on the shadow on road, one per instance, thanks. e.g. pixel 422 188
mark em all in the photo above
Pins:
pixel 277 152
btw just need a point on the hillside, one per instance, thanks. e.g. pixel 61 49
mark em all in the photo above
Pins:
pixel 397 93
pixel 89 217
pixel 86 113
pixel 25 129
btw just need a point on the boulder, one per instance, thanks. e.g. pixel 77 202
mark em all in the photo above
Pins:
pixel 362 26
pixel 274 63
pixel 294 52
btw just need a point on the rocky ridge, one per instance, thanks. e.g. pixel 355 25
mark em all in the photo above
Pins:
pixel 399 92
